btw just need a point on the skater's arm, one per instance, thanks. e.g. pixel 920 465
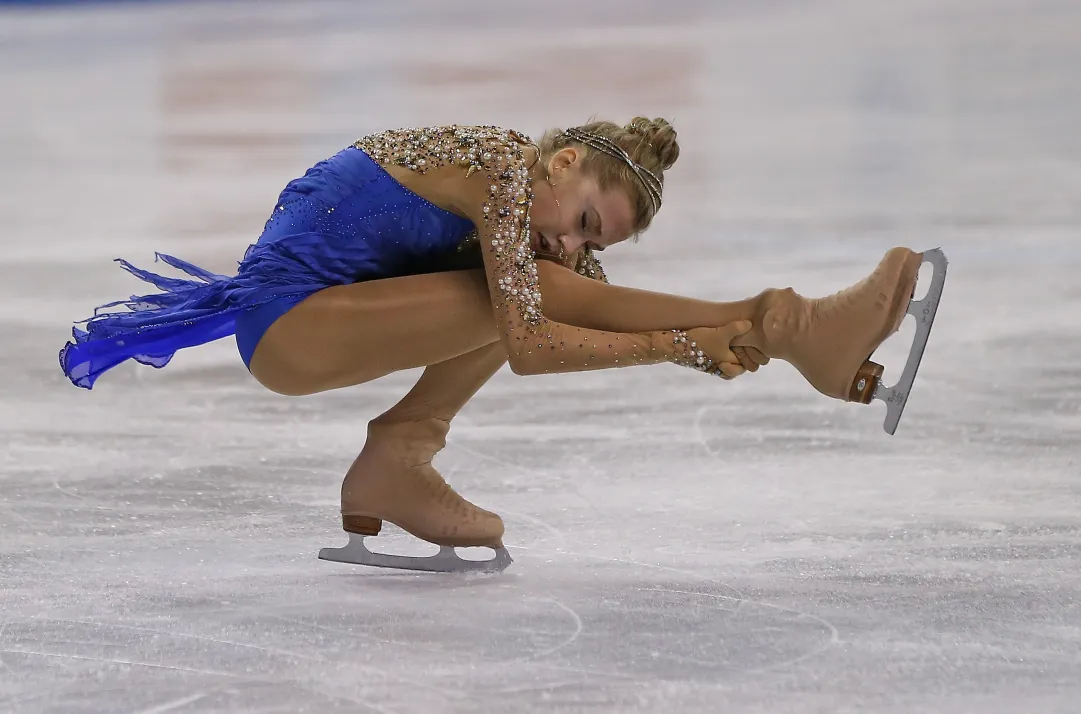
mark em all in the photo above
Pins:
pixel 497 203
pixel 581 296
pixel 577 300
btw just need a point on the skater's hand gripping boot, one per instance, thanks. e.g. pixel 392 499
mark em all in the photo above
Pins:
pixel 717 343
pixel 750 358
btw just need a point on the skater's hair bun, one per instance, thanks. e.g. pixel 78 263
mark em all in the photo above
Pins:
pixel 650 143
pixel 660 140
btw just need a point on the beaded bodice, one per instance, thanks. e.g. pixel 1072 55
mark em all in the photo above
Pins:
pixel 490 163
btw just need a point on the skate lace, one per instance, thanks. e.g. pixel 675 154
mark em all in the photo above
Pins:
pixel 844 299
pixel 442 492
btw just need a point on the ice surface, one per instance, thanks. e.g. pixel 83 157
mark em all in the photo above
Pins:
pixel 681 545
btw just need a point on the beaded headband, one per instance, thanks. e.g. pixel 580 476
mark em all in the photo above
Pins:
pixel 648 179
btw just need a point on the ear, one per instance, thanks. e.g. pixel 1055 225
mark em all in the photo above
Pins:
pixel 563 159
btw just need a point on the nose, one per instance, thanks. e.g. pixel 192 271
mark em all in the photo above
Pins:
pixel 571 243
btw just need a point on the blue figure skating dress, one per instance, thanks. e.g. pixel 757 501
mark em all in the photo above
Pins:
pixel 345 221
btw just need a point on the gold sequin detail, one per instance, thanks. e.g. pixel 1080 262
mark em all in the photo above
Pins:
pixel 589 266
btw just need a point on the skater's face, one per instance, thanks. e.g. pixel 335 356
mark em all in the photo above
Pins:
pixel 571 211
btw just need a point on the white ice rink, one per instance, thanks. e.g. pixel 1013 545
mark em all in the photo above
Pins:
pixel 682 545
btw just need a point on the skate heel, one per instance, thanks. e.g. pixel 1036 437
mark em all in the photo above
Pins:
pixel 865 383
pixel 362 525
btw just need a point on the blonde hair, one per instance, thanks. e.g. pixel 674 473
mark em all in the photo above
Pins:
pixel 650 143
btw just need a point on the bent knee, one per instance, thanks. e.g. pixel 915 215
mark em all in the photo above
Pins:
pixel 283 382
pixel 286 389
pixel 278 369
pixel 294 370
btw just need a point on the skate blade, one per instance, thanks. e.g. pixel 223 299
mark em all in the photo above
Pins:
pixel 445 561
pixel 924 311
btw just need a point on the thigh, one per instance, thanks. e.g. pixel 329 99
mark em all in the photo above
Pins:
pixel 351 334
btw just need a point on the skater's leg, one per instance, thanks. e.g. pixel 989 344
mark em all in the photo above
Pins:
pixel 351 334
pixel 828 340
pixel 393 478
pixel 445 387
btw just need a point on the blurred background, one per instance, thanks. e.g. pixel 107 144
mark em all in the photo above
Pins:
pixel 750 545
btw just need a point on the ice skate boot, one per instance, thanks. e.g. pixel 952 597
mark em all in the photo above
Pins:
pixel 393 480
pixel 830 340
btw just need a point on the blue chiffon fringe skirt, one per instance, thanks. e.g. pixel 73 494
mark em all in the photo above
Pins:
pixel 345 221
pixel 190 312
pixel 298 254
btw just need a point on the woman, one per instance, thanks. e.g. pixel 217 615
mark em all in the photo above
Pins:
pixel 418 248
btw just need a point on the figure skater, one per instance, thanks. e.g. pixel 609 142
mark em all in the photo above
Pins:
pixel 459 249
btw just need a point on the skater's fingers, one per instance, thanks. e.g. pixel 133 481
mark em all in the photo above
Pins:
pixel 757 356
pixel 734 329
pixel 731 370
pixel 745 360
pixel 726 334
